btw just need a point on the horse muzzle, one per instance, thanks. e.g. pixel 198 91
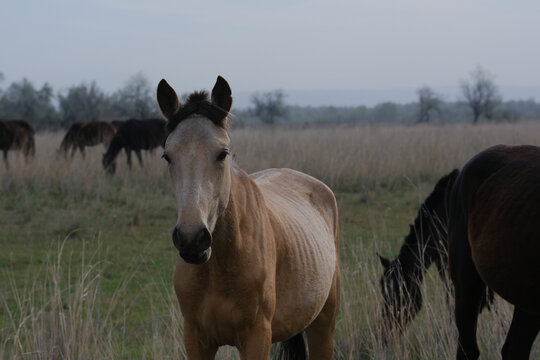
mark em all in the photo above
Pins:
pixel 193 248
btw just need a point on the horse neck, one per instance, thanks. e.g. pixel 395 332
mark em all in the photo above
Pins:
pixel 115 147
pixel 420 250
pixel 240 228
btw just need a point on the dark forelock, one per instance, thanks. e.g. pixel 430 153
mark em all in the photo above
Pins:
pixel 198 103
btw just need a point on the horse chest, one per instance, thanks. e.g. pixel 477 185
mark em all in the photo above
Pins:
pixel 219 309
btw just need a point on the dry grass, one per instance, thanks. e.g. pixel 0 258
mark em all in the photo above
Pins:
pixel 72 315
pixel 343 157
pixel 351 157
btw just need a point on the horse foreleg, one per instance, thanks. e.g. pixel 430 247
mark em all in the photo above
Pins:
pixel 256 341
pixel 469 294
pixel 128 156
pixel 81 149
pixel 468 288
pixel 196 347
pixel 138 153
pixel 520 338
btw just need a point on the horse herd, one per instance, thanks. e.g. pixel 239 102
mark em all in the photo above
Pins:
pixel 130 135
pixel 259 254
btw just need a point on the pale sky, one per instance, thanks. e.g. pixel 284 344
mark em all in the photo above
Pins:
pixel 291 45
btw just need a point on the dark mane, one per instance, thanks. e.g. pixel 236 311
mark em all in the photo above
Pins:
pixel 425 242
pixel 424 245
pixel 198 103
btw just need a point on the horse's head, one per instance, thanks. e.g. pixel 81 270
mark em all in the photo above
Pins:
pixel 197 150
pixel 108 164
pixel 401 294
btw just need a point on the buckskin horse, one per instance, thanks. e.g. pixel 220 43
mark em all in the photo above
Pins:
pixel 81 135
pixel 134 135
pixel 17 135
pixel 258 253
pixel 494 241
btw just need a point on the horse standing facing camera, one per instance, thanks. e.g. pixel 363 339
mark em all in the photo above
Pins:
pixel 258 253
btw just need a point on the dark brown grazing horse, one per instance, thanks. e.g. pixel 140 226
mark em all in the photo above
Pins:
pixel 494 241
pixel 81 135
pixel 134 135
pixel 259 254
pixel 426 244
pixel 17 135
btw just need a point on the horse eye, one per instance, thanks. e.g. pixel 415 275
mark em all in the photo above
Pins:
pixel 166 157
pixel 222 155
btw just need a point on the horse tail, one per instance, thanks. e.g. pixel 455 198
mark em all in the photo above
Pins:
pixel 293 349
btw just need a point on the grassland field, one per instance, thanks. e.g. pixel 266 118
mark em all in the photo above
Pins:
pixel 86 260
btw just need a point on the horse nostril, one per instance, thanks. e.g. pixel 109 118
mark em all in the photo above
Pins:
pixel 191 242
pixel 203 239
pixel 176 237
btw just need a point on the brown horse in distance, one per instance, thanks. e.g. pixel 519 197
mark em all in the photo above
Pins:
pixel 135 135
pixel 17 135
pixel 494 241
pixel 81 135
pixel 259 256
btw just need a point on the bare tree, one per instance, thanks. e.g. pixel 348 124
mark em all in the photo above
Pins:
pixel 429 102
pixel 82 103
pixel 269 106
pixel 136 98
pixel 481 93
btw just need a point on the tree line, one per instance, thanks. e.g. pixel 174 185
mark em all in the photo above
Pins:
pixel 480 101
pixel 85 102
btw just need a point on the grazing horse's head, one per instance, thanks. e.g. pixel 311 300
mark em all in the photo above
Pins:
pixel 197 150
pixel 108 164
pixel 401 294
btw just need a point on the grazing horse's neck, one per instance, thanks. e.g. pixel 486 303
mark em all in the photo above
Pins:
pixel 420 249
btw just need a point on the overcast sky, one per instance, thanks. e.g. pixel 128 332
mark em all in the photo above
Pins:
pixel 287 44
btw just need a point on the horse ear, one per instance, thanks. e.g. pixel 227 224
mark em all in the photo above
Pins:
pixel 384 261
pixel 167 99
pixel 221 94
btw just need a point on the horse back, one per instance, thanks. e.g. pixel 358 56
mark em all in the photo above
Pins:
pixel 143 134
pixel 303 214
pixel 500 189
